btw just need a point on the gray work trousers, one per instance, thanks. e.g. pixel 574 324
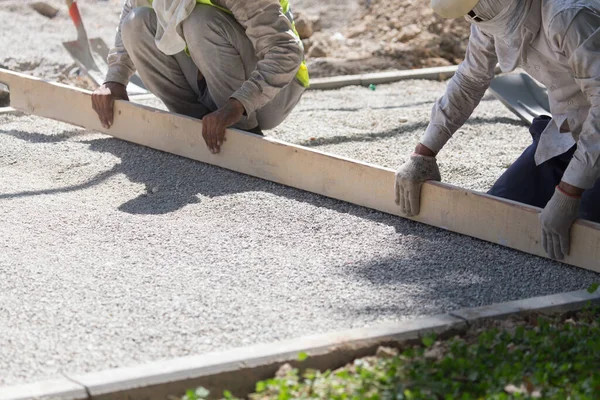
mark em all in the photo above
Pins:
pixel 174 79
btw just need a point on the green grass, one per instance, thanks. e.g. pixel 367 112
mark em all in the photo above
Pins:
pixel 534 357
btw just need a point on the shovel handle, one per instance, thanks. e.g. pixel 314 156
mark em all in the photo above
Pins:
pixel 74 12
pixel 76 17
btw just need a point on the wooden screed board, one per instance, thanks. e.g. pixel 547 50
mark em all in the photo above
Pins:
pixel 470 213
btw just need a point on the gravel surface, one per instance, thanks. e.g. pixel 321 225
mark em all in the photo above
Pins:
pixel 32 43
pixel 113 254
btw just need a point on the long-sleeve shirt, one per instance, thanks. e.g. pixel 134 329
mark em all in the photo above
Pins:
pixel 564 55
pixel 279 51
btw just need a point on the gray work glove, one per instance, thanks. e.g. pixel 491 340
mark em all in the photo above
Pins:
pixel 409 179
pixel 557 218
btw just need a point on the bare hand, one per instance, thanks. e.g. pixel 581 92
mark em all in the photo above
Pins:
pixel 103 100
pixel 215 124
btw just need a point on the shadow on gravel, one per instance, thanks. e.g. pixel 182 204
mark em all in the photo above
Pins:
pixel 34 137
pixel 101 177
pixel 172 182
pixel 402 129
pixel 445 272
pixel 400 106
pixel 434 269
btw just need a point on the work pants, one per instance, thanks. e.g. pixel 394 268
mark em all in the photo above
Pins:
pixel 533 184
pixel 219 49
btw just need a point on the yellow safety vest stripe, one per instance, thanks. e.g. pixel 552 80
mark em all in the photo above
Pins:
pixel 302 74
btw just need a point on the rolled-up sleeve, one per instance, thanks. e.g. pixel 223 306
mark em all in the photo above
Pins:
pixel 580 43
pixel 464 92
pixel 120 66
pixel 279 51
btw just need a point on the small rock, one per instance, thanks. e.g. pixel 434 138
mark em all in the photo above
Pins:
pixel 437 62
pixel 304 26
pixel 357 30
pixel 409 32
pixel 307 43
pixel 434 353
pixel 45 9
pixel 338 37
pixel 316 23
pixel 316 51
pixel 386 352
pixel 283 371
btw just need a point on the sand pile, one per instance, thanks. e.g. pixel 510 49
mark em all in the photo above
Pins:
pixel 384 34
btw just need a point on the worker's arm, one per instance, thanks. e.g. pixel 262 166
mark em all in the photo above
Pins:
pixel 581 45
pixel 576 35
pixel 279 51
pixel 120 70
pixel 465 91
pixel 120 66
pixel 279 54
pixel 450 112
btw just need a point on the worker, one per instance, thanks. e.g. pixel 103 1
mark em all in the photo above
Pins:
pixel 231 63
pixel 558 43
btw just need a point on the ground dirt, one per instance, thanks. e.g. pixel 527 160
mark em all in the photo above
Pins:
pixel 356 36
pixel 381 34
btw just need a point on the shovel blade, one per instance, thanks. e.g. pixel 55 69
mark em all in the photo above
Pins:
pixel 521 95
pixel 100 49
pixel 92 59
pixel 84 58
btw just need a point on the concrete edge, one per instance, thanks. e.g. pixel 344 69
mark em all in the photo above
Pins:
pixel 239 369
pixel 552 304
pixel 56 389
pixel 336 82
pixel 10 111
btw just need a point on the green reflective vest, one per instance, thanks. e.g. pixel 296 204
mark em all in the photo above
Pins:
pixel 302 74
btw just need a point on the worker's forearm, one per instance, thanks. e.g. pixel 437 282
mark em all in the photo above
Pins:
pixel 280 52
pixel 120 66
pixel 423 150
pixel 464 92
pixel 571 190
pixel 579 46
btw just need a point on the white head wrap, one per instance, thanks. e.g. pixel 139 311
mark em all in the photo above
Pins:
pixel 170 14
pixel 504 20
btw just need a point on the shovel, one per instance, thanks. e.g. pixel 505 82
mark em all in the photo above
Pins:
pixel 521 95
pixel 91 54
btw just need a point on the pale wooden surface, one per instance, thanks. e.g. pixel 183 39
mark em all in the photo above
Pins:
pixel 336 82
pixel 471 213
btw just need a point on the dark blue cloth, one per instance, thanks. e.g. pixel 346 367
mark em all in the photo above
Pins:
pixel 533 184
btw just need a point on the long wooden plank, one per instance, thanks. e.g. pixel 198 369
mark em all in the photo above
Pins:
pixel 376 78
pixel 470 213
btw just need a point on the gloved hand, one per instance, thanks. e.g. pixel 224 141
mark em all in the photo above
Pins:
pixel 557 218
pixel 409 179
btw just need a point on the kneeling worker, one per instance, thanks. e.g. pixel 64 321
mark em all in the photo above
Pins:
pixel 231 63
pixel 557 43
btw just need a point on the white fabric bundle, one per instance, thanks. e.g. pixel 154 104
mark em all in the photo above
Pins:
pixel 170 14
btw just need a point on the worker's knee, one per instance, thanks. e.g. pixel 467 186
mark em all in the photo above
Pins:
pixel 138 24
pixel 204 23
